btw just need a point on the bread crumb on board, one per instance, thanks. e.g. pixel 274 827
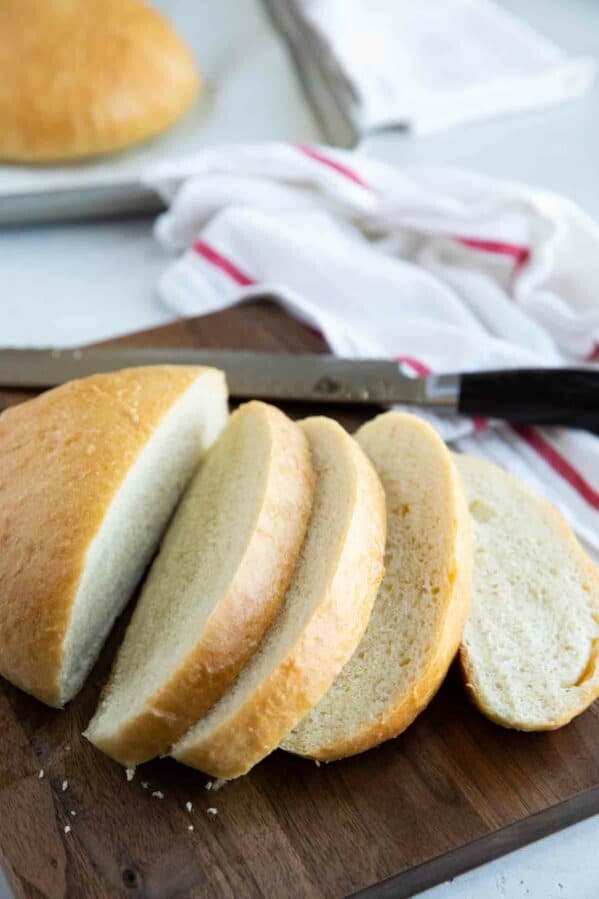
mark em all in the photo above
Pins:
pixel 145 784
pixel 189 806
pixel 73 813
pixel 212 811
pixel 67 828
pixel 158 794
pixel 190 826
pixel 215 785
pixel 129 773
pixel 40 774
pixel 65 786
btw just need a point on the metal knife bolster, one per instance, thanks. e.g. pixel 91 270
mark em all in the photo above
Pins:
pixel 442 392
pixel 317 378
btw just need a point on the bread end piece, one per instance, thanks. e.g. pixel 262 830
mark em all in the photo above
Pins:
pixel 89 474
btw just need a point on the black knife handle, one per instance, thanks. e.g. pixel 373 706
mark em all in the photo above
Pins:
pixel 552 396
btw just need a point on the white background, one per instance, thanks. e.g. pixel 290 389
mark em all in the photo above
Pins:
pixel 64 285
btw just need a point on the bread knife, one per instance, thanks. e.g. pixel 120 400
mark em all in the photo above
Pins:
pixel 541 396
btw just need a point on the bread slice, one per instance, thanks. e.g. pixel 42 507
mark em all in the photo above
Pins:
pixel 214 588
pixel 422 604
pixel 78 78
pixel 89 475
pixel 530 649
pixel 325 613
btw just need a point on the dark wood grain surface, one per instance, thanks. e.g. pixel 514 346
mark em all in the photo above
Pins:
pixel 445 788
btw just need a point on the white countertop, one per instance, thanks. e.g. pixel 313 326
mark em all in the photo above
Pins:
pixel 68 284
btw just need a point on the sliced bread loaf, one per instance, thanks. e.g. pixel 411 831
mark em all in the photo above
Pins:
pixel 324 615
pixel 422 604
pixel 89 475
pixel 530 649
pixel 214 588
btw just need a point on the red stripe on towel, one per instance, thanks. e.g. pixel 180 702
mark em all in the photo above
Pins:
pixel 338 167
pixel 560 465
pixel 516 252
pixel 221 262
pixel 416 365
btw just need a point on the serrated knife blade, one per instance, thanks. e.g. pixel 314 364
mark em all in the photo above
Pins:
pixel 274 376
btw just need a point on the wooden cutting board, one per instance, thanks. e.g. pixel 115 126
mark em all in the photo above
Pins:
pixel 450 793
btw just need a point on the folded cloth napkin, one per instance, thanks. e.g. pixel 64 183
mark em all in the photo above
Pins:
pixel 440 269
pixel 423 64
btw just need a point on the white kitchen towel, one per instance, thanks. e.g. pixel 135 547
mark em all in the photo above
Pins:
pixel 427 64
pixel 440 269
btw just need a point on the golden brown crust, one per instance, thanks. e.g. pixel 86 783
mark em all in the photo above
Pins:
pixel 78 78
pixel 326 643
pixel 63 456
pixel 241 617
pixel 449 628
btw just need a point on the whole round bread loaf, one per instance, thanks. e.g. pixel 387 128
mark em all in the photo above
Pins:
pixel 83 77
